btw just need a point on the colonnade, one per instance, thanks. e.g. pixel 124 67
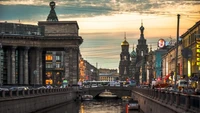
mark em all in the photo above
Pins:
pixel 26 65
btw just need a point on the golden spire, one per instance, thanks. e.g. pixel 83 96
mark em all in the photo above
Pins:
pixel 141 23
pixel 125 43
pixel 124 35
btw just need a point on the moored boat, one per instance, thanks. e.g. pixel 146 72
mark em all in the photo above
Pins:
pixel 107 93
pixel 87 97
pixel 126 98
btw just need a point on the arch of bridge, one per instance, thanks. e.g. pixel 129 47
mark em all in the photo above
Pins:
pixel 119 91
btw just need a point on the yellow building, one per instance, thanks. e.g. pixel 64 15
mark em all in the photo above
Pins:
pixel 191 40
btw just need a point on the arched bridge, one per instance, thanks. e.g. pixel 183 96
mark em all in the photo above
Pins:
pixel 119 91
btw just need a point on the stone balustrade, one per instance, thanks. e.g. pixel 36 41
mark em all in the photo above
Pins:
pixel 186 102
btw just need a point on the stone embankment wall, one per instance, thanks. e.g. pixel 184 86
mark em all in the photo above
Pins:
pixel 34 100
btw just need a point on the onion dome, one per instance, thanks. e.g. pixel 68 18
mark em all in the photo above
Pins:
pixel 133 53
pixel 125 43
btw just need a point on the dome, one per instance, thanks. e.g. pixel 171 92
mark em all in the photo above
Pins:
pixel 124 43
pixel 133 54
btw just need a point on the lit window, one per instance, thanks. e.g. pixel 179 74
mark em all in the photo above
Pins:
pixel 48 57
pixel 198 50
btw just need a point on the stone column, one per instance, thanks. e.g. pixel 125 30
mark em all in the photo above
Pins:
pixel 66 63
pixel 75 63
pixel 21 67
pixel 71 65
pixel 26 76
pixel 41 65
pixel 8 55
pixel 37 66
pixel 13 76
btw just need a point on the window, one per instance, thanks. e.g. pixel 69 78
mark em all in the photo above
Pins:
pixel 49 57
pixel 141 53
pixel 57 57
pixel 125 58
pixel 49 65
pixel 57 65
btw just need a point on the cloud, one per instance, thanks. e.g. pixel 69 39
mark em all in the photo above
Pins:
pixel 89 8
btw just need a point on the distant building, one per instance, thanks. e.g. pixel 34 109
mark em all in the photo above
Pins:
pixel 108 74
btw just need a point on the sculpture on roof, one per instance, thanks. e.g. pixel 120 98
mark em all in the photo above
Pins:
pixel 52 15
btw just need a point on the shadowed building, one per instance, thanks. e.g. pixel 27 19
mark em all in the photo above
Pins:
pixel 41 54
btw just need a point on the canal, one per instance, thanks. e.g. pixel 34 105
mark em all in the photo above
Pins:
pixel 94 106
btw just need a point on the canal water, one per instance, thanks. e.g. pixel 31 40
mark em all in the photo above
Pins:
pixel 94 106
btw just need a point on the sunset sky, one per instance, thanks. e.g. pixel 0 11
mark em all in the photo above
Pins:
pixel 102 23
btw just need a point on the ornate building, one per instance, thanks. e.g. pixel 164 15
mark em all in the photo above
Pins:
pixel 142 51
pixel 124 60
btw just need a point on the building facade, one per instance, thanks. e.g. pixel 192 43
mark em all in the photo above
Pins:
pixel 108 74
pixel 191 66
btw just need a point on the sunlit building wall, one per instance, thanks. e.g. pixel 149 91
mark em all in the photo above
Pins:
pixel 191 40
pixel 170 61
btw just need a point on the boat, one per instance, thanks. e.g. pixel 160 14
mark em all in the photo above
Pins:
pixel 107 93
pixel 87 97
pixel 126 98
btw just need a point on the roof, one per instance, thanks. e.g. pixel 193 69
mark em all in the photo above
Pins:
pixel 133 54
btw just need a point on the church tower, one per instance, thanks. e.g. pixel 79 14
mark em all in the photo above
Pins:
pixel 133 56
pixel 142 51
pixel 124 60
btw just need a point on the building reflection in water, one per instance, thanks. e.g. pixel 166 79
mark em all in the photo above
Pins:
pixel 95 106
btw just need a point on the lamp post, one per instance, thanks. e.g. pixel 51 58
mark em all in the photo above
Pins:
pixel 92 70
pixel 177 43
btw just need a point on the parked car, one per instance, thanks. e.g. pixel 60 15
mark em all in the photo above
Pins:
pixel 94 85
pixel 4 89
pixel 133 104
pixel 19 88
pixel 188 91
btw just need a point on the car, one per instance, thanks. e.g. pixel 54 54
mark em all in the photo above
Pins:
pixel 94 85
pixel 133 104
pixel 4 89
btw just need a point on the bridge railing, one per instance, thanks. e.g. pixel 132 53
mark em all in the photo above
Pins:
pixel 184 101
pixel 33 92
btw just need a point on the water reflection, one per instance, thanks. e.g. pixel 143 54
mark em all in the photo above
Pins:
pixel 95 106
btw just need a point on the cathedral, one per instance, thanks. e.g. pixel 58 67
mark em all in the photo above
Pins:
pixel 132 65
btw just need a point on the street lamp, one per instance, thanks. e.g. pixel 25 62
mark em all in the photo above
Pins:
pixel 92 70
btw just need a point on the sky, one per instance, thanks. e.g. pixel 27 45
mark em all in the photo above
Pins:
pixel 102 23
